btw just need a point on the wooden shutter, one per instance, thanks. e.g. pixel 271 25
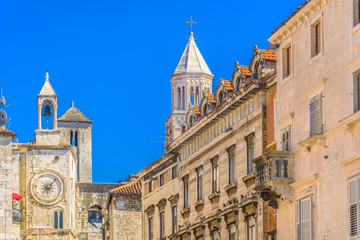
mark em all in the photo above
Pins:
pixel 298 226
pixel 304 216
pixel 353 207
pixel 316 124
pixel 286 139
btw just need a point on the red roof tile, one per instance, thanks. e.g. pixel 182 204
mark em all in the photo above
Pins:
pixel 269 54
pixel 6 132
pixel 131 188
pixel 227 85
pixel 211 98
pixel 245 70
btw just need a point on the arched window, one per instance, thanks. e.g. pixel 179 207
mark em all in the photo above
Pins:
pixel 197 96
pixel 183 98
pixel 95 215
pixel 238 83
pixel 192 95
pixel 74 138
pixel 179 99
pixel 47 118
pixel 58 219
pixel 221 98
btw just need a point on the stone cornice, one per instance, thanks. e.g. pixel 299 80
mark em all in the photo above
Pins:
pixel 297 20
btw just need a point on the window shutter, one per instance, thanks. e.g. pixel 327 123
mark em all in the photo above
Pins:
pixel 318 114
pixel 286 139
pixel 312 117
pixel 353 207
pixel 306 218
pixel 298 231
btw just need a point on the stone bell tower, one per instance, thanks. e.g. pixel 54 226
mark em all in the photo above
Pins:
pixel 48 98
pixel 191 79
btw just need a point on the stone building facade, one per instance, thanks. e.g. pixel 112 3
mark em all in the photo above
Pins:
pixel 204 186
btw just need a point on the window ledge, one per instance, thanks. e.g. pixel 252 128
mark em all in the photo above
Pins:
pixel 248 177
pixel 199 205
pixel 287 78
pixel 312 141
pixel 351 121
pixel 316 58
pixel 231 188
pixel 356 28
pixel 185 212
pixel 214 196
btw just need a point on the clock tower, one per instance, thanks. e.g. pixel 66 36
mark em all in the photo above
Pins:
pixel 49 170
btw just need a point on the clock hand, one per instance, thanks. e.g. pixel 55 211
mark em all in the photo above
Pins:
pixel 52 182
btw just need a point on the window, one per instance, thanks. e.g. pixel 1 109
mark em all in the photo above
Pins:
pixel 356 92
pixel 162 225
pixel 150 186
pixel 174 172
pixel 215 235
pixel 74 138
pixel 215 174
pixel 200 173
pixel 174 219
pixel 179 99
pixel 316 123
pixel 150 225
pixel 356 12
pixel 58 220
pixel 354 204
pixel 186 191
pixel 162 179
pixel 250 140
pixel 232 231
pixel 304 213
pixel 315 39
pixel 287 61
pixel 231 152
pixel 286 142
pixel 250 228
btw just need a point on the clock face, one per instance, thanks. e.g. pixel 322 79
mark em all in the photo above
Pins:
pixel 48 187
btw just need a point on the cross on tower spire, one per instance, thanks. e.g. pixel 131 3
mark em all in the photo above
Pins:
pixel 191 23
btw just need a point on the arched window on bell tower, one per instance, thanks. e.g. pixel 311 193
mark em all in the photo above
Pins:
pixel 47 116
pixel 183 98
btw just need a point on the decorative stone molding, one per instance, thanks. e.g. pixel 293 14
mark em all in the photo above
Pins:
pixel 161 204
pixel 199 205
pixel 249 179
pixel 185 212
pixel 312 141
pixel 351 121
pixel 301 17
pixel 214 223
pixel 231 216
pixel 214 197
pixel 173 199
pixel 231 188
pixel 150 210
pixel 249 197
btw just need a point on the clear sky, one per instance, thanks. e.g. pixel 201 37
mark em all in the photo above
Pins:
pixel 114 59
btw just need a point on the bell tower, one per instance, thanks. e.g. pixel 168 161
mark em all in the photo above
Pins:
pixel 191 79
pixel 47 107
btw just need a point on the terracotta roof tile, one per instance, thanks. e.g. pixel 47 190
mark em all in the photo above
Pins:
pixel 131 188
pixel 6 132
pixel 227 85
pixel 245 70
pixel 196 109
pixel 269 54
pixel 211 98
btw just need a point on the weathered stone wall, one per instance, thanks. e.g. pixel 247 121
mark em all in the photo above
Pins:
pixel 89 195
pixel 5 188
pixel 84 148
pixel 125 218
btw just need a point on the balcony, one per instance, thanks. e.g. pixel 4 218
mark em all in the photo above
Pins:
pixel 17 215
pixel 274 173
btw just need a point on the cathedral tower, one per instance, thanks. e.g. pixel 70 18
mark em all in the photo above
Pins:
pixel 191 79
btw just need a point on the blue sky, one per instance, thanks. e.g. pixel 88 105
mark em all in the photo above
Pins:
pixel 114 60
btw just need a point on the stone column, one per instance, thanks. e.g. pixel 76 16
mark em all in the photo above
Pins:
pixel 6 185
pixel 55 117
pixel 39 116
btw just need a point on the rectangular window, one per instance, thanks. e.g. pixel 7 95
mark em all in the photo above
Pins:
pixel 250 141
pixel 200 173
pixel 58 220
pixel 174 219
pixel 61 226
pixel 232 167
pixel 250 228
pixel 162 179
pixel 215 235
pixel 315 39
pixel 150 186
pixel 150 230
pixel 174 172
pixel 287 61
pixel 356 12
pixel 215 174
pixel 162 225
pixel 304 219
pixel 232 231
pixel 316 121
pixel 354 204
pixel 186 191
pixel 356 92
pixel 285 138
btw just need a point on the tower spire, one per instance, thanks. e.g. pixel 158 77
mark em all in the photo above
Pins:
pixel 47 76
